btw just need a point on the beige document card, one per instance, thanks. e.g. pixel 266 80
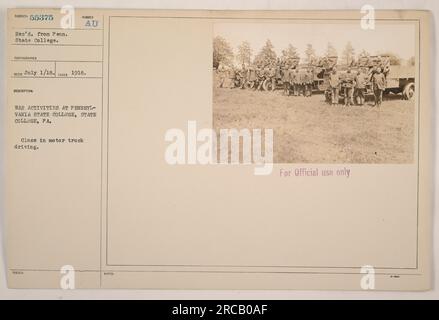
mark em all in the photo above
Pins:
pixel 218 150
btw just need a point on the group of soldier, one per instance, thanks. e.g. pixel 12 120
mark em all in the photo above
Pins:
pixel 353 85
pixel 291 79
pixel 300 81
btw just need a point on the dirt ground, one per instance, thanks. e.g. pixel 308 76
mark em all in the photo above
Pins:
pixel 308 130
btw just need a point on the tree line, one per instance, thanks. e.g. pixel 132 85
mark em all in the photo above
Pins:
pixel 223 53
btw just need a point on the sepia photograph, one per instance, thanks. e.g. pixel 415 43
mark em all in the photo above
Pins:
pixel 332 92
pixel 219 153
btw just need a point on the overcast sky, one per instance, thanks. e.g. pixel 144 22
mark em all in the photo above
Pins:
pixel 395 37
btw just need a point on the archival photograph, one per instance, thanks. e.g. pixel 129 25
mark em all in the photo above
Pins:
pixel 332 92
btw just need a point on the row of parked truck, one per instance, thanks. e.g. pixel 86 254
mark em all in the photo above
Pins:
pixel 399 79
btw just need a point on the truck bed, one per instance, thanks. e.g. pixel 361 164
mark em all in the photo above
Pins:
pixel 401 72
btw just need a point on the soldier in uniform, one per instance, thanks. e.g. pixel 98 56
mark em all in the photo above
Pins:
pixel 232 77
pixel 291 80
pixel 251 75
pixel 222 75
pixel 278 75
pixel 238 77
pixel 260 78
pixel 295 78
pixel 309 82
pixel 286 80
pixel 379 84
pixel 303 79
pixel 256 82
pixel 265 75
pixel 271 74
pixel 360 86
pixel 243 76
pixel 334 84
pixel 349 85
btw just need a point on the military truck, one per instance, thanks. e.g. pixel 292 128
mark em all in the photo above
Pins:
pixel 399 79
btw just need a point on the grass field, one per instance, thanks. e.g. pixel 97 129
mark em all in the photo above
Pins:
pixel 308 130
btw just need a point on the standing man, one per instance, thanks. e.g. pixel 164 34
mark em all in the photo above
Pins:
pixel 293 80
pixel 260 77
pixel 244 76
pixel 303 79
pixel 296 80
pixel 278 75
pixel 379 84
pixel 334 84
pixel 232 77
pixel 286 80
pixel 222 75
pixel 257 73
pixel 251 79
pixel 264 75
pixel 360 86
pixel 349 85
pixel 309 83
pixel 272 77
pixel 290 80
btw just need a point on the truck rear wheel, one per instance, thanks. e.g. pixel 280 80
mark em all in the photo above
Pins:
pixel 267 85
pixel 409 91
